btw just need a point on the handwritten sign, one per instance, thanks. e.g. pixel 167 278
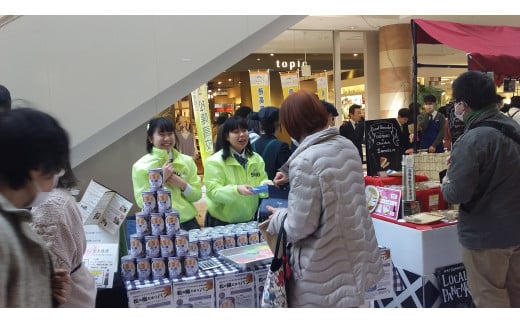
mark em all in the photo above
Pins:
pixel 382 144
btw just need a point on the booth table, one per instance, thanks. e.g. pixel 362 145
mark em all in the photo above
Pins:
pixel 417 251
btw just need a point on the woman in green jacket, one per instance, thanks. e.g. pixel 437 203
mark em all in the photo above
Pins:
pixel 230 175
pixel 179 171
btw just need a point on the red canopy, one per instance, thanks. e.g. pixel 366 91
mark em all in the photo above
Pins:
pixel 492 48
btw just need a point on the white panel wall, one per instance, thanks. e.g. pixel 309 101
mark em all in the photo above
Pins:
pixel 102 76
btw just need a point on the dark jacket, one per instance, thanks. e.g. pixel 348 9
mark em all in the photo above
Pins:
pixel 483 178
pixel 275 155
pixel 356 136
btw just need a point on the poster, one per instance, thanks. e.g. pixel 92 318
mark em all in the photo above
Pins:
pixel 101 260
pixel 453 286
pixel 388 203
pixel 382 146
pixel 235 290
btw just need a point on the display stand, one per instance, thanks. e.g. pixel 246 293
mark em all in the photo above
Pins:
pixel 417 251
pixel 209 288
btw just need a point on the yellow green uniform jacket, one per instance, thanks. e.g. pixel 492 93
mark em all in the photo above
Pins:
pixel 183 165
pixel 222 177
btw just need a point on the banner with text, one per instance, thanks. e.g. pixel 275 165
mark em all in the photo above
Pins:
pixel 199 98
pixel 260 93
pixel 290 83
pixel 322 85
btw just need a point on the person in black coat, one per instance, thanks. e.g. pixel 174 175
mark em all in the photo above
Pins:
pixel 274 152
pixel 403 116
pixel 354 129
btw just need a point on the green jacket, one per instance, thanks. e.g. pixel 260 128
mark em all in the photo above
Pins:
pixel 184 166
pixel 222 177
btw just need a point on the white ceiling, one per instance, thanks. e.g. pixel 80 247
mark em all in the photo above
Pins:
pixel 313 33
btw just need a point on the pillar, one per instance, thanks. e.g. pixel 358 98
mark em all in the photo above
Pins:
pixel 371 73
pixel 395 68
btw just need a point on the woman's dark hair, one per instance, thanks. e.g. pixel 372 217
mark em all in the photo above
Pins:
pixel 476 89
pixel 302 114
pixel 33 140
pixel 162 124
pixel 228 126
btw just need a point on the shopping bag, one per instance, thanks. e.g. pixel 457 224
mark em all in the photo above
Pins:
pixel 275 284
pixel 268 237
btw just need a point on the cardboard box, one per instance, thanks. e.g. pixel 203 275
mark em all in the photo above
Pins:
pixel 151 296
pixel 235 290
pixel 194 293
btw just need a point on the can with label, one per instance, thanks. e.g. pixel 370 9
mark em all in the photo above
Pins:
pixel 157 224
pixel 191 265
pixel 204 247
pixel 241 238
pixel 137 249
pixel 143 268
pixel 253 236
pixel 167 246
pixel 217 243
pixel 158 268
pixel 174 267
pixel 153 247
pixel 181 243
pixel 142 224
pixel 164 200
pixel 193 248
pixel 172 220
pixel 229 241
pixel 149 202
pixel 155 178
pixel 128 268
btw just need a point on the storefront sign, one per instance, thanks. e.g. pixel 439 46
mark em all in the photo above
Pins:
pixel 290 64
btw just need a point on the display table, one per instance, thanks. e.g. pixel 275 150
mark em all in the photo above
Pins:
pixel 417 251
pixel 391 180
pixel 224 286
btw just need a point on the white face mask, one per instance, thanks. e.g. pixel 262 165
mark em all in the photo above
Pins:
pixel 41 196
pixel 459 111
pixel 295 142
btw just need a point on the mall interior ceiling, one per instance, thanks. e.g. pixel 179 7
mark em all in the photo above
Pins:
pixel 311 40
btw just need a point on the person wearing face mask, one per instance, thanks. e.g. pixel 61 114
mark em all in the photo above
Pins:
pixel 58 221
pixel 431 124
pixel 230 175
pixel 483 177
pixel 179 171
pixel 38 149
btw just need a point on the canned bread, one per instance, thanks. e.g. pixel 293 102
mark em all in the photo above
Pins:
pixel 155 178
pixel 164 200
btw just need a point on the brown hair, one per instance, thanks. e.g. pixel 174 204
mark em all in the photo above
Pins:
pixel 302 114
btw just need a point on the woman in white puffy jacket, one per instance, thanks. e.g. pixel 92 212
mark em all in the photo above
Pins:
pixel 334 251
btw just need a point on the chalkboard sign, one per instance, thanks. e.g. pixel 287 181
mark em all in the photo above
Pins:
pixel 383 150
pixel 453 286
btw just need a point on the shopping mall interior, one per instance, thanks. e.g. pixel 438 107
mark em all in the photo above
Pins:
pixel 104 77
